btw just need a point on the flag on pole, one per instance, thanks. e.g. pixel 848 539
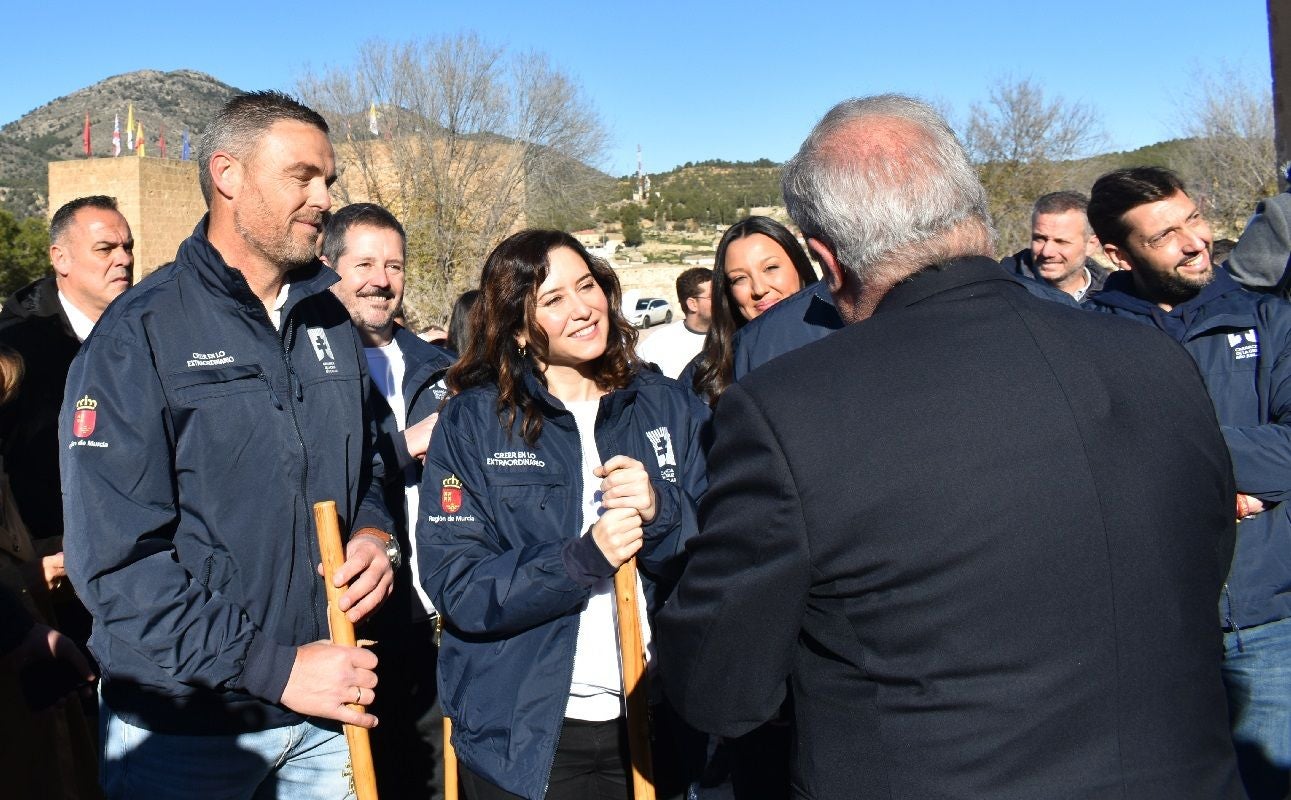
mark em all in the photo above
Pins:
pixel 116 135
pixel 372 118
pixel 161 143
pixel 185 151
pixel 130 127
pixel 85 136
pixel 139 147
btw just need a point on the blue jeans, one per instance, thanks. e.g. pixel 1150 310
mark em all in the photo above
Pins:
pixel 1257 676
pixel 300 762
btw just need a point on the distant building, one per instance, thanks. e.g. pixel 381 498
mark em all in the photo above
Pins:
pixel 159 197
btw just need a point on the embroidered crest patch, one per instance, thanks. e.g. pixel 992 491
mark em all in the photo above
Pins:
pixel 85 417
pixel 450 495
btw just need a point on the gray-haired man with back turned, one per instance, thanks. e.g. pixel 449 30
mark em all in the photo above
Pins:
pixel 882 530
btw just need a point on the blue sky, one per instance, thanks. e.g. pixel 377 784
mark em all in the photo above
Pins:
pixel 687 81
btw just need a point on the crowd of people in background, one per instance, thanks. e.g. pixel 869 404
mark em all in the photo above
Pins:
pixel 912 522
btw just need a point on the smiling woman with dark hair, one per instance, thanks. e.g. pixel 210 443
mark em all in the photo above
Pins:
pixel 758 264
pixel 556 461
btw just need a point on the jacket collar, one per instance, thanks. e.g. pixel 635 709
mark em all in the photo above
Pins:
pixel 198 252
pixel 423 362
pixel 611 404
pixel 1119 292
pixel 39 299
pixel 940 278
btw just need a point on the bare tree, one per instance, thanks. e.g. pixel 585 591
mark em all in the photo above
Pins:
pixel 1022 142
pixel 1231 163
pixel 470 142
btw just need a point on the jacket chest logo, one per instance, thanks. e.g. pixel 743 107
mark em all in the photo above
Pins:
pixel 661 442
pixel 205 360
pixel 515 458
pixel 322 349
pixel 1244 344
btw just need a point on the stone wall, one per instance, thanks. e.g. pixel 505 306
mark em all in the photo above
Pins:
pixel 160 198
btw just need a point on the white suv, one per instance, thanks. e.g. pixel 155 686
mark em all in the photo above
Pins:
pixel 650 311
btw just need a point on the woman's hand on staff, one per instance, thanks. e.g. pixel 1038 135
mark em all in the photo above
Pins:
pixel 618 534
pixel 625 484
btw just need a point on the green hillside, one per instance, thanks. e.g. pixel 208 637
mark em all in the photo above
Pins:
pixel 711 192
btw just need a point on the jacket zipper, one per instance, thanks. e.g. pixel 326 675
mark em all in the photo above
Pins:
pixel 295 394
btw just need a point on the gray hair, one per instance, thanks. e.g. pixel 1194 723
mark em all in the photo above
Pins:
pixel 240 124
pixel 898 200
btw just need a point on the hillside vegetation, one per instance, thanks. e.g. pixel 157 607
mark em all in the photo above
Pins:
pixel 712 192
pixel 169 101
pixel 717 193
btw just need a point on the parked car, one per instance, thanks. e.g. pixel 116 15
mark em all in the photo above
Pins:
pixel 650 311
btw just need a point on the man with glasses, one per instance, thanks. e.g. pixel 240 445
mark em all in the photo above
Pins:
pixel 673 346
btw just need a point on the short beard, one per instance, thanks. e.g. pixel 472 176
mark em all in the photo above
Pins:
pixel 1173 288
pixel 282 253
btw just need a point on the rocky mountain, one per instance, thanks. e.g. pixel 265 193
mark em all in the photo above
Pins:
pixel 169 101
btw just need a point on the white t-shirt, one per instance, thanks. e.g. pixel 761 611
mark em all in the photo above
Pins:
pixel 671 347
pixel 275 313
pixel 386 366
pixel 596 690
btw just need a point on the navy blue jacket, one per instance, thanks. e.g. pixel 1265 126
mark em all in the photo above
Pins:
pixel 1241 341
pixel 501 523
pixel 1022 264
pixel 423 392
pixel 195 439
pixel 801 318
pixel 809 315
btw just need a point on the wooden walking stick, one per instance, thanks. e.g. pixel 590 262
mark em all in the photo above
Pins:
pixel 450 755
pixel 363 775
pixel 636 695
pixel 450 762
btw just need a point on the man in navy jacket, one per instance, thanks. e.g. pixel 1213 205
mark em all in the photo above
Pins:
pixel 366 246
pixel 204 416
pixel 1241 341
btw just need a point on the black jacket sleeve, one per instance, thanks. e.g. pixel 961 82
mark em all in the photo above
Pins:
pixel 727 636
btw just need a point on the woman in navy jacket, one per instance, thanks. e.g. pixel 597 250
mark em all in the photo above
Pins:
pixel 557 460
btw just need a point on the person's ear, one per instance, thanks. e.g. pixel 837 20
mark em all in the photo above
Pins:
pixel 1119 258
pixel 226 173
pixel 59 258
pixel 835 276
